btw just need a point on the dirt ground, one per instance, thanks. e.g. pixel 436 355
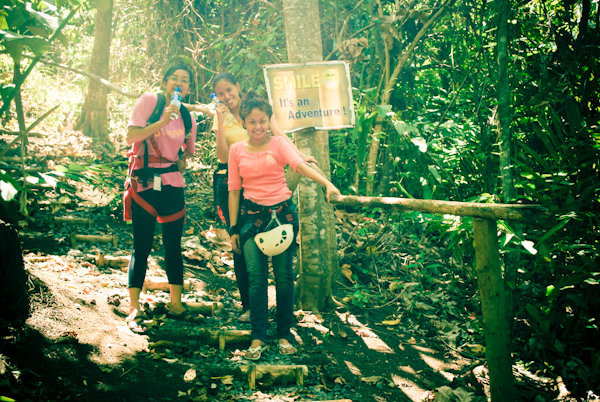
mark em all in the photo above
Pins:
pixel 76 345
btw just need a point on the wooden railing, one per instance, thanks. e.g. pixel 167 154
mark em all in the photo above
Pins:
pixel 488 268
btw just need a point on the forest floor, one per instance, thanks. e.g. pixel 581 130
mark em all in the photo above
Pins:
pixel 75 345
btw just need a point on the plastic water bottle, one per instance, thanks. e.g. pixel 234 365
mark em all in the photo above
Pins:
pixel 214 101
pixel 176 100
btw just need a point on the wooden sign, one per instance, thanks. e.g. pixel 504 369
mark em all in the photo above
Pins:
pixel 310 95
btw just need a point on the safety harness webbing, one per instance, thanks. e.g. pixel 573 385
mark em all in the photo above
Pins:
pixel 144 173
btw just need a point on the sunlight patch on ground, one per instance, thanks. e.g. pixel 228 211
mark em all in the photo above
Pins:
pixel 432 362
pixel 353 369
pixel 423 349
pixel 313 321
pixel 371 339
pixel 436 364
pixel 377 344
pixel 412 390
pixel 297 337
pixel 408 370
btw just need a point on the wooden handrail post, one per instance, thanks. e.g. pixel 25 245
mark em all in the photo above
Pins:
pixel 493 306
pixel 492 292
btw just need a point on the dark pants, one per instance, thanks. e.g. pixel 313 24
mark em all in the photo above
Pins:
pixel 258 273
pixel 221 200
pixel 168 201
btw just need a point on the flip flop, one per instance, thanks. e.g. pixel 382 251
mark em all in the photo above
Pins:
pixel 286 349
pixel 255 353
pixel 186 315
pixel 245 317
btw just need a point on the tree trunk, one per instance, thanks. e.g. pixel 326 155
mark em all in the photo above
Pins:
pixel 93 120
pixel 374 154
pixel 318 246
pixel 493 308
pixel 504 133
pixel 387 167
pixel 387 93
pixel 24 140
pixel 503 93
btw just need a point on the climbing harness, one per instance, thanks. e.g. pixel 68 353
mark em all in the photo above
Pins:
pixel 145 174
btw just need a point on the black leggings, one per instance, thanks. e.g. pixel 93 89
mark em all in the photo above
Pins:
pixel 168 201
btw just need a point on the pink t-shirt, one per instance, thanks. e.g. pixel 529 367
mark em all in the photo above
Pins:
pixel 169 140
pixel 261 173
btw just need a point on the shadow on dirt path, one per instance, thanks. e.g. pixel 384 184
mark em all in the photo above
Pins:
pixel 76 345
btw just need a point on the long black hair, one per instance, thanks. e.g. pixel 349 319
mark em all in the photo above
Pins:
pixel 224 76
pixel 253 101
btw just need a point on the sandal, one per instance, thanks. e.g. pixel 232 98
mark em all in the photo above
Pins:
pixel 135 322
pixel 286 349
pixel 186 315
pixel 256 353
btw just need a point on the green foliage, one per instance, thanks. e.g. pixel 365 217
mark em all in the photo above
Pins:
pixel 28 25
pixel 235 37
pixel 438 140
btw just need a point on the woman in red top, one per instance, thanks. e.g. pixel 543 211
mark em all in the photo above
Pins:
pixel 256 165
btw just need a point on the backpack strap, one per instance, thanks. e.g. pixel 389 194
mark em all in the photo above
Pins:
pixel 187 124
pixel 187 120
pixel 161 99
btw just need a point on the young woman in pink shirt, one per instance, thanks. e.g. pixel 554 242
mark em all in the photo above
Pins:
pixel 228 129
pixel 156 189
pixel 256 165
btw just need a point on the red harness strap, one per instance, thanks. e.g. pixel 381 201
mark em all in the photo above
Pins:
pixel 131 191
pixel 131 194
pixel 151 158
pixel 150 209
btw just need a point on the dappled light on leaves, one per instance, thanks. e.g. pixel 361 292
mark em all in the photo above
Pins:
pixel 353 369
pixel 310 320
pixel 410 388
pixel 371 340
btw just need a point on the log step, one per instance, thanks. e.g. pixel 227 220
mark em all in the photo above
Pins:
pixel 280 373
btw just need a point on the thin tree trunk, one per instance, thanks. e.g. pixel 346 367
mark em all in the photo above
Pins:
pixel 24 139
pixel 318 246
pixel 373 155
pixel 387 92
pixel 493 308
pixel 504 114
pixel 93 120
pixel 504 133
pixel 101 80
